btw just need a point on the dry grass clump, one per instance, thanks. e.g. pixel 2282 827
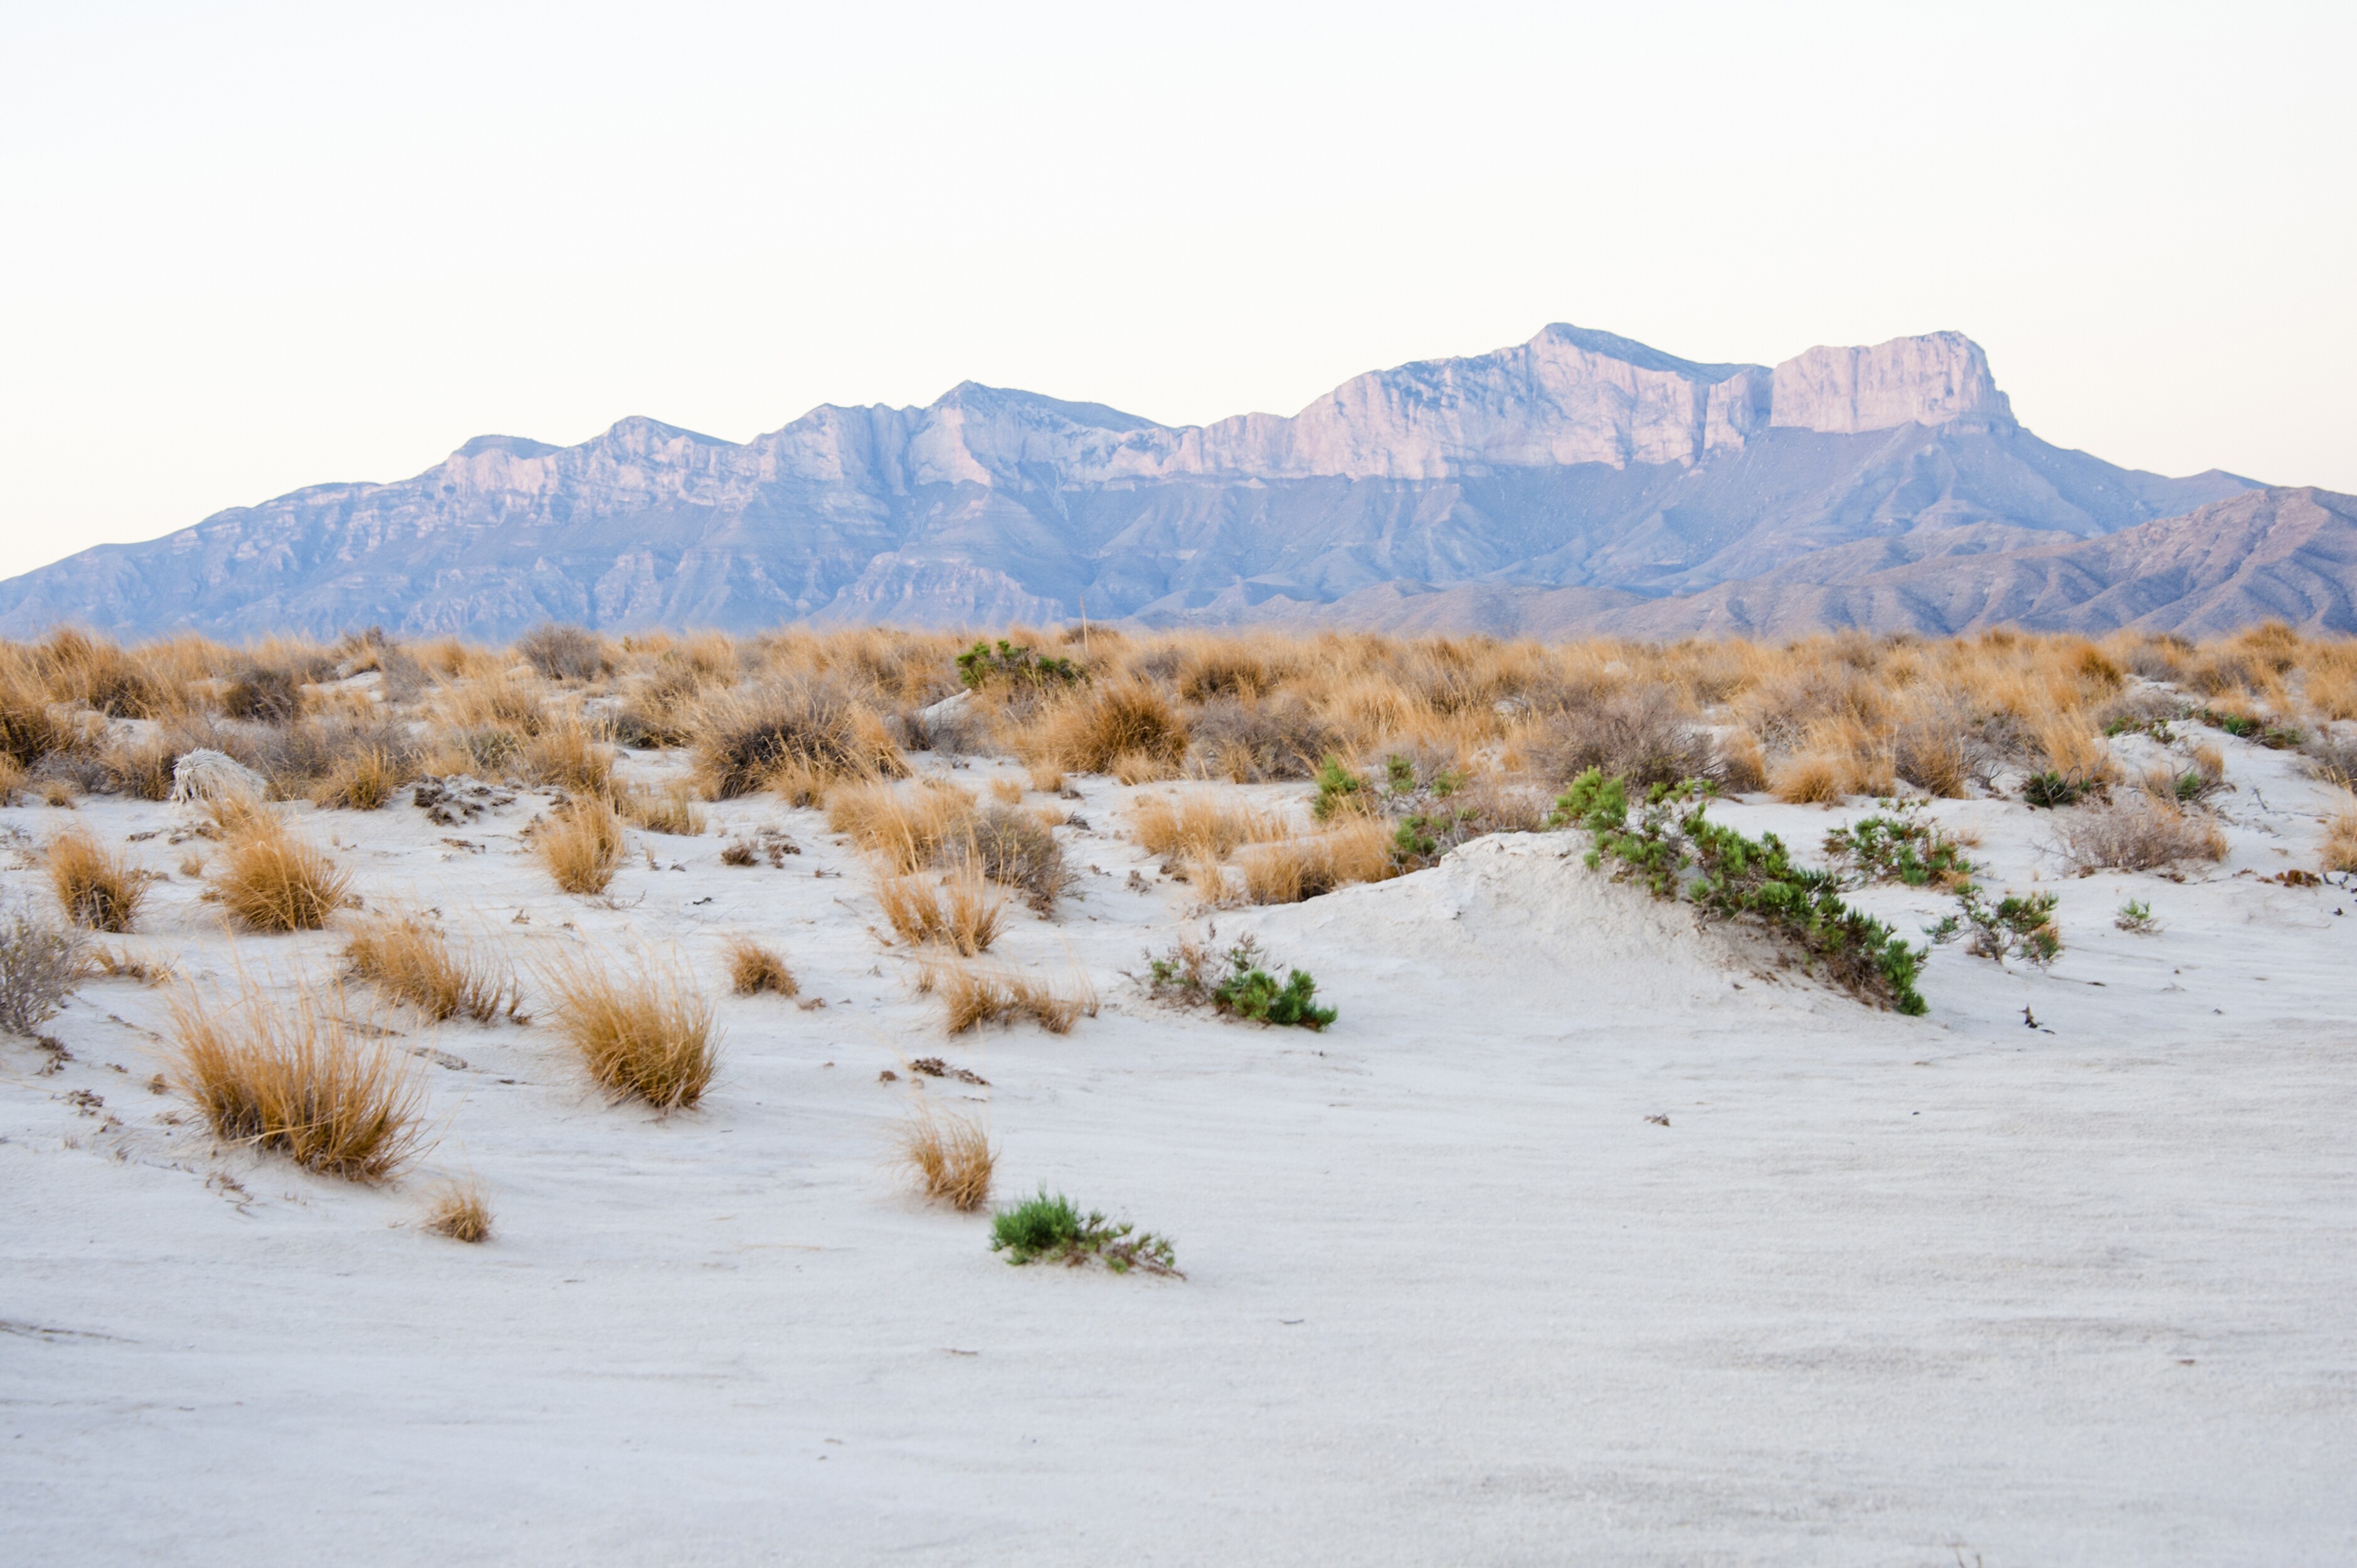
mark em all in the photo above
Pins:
pixel 1184 824
pixel 961 913
pixel 581 844
pixel 950 1156
pixel 12 780
pixel 907 828
pixel 568 754
pixel 268 879
pixel 1016 848
pixel 411 961
pixel 365 780
pixel 565 652
pixel 98 889
pixel 796 738
pixel 1125 723
pixel 673 811
pixel 460 1211
pixel 647 1032
pixel 40 964
pixel 296 1079
pixel 754 969
pixel 1291 870
pixel 2137 834
pixel 2341 838
pixel 973 996
pixel 141 769
pixel 1642 736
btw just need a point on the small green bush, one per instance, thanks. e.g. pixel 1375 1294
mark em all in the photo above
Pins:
pixel 1049 1227
pixel 2014 926
pixel 2044 791
pixel 1339 789
pixel 1016 663
pixel 2275 737
pixel 1677 853
pixel 1237 984
pixel 1895 848
pixel 2135 916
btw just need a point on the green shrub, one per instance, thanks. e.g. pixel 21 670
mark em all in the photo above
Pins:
pixel 1677 853
pixel 2046 791
pixel 2275 737
pixel 1050 1229
pixel 1016 664
pixel 2135 916
pixel 1237 984
pixel 1895 848
pixel 2014 926
pixel 1339 789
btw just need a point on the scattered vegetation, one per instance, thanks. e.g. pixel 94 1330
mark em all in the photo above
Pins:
pixel 973 996
pixel 269 880
pixel 294 1078
pixel 641 1030
pixel 40 964
pixel 950 1156
pixel 2014 926
pixel 2138 834
pixel 1236 982
pixel 410 962
pixel 754 970
pixel 2135 916
pixel 460 1211
pixel 1016 664
pixel 581 844
pixel 98 889
pixel 1045 1228
pixel 1897 846
pixel 1676 852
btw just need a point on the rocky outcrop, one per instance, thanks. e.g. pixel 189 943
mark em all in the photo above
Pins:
pixel 1578 465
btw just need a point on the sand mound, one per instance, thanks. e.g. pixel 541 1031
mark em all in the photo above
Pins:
pixel 1519 920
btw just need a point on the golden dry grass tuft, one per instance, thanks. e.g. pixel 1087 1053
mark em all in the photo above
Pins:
pixel 569 754
pixel 672 811
pixel 460 1211
pixel 906 827
pixel 294 1078
pixel 12 779
pixel 754 969
pixel 410 961
pixel 364 781
pixel 1127 723
pixel 581 844
pixel 2341 838
pixel 1290 870
pixel 270 880
pixel 950 1156
pixel 2138 833
pixel 972 996
pixel 645 1031
pixel 963 911
pixel 1181 824
pixel 98 889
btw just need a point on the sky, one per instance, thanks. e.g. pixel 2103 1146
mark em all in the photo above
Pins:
pixel 250 247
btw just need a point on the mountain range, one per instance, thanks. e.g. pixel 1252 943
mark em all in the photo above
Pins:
pixel 1579 482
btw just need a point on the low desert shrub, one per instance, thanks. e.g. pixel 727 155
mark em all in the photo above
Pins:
pixel 950 1156
pixel 1250 740
pixel 296 1079
pixel 581 844
pixel 40 964
pixel 754 969
pixel 269 880
pixel 1045 1228
pixel 460 1211
pixel 565 652
pixel 2328 755
pixel 797 739
pixel 2051 789
pixel 2254 727
pixel 1015 664
pixel 141 769
pixel 909 828
pixel 972 997
pixel 641 1030
pixel 2016 926
pixel 2138 834
pixel 2135 917
pixel 673 811
pixel 1236 983
pixel 410 961
pixel 1676 852
pixel 1896 847
pixel 1642 736
pixel 98 889
pixel 1014 847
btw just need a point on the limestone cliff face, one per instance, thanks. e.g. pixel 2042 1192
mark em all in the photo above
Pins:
pixel 1575 461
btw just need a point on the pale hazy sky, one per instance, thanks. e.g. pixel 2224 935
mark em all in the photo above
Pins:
pixel 249 247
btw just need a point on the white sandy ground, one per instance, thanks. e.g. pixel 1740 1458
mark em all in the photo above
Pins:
pixel 1884 1291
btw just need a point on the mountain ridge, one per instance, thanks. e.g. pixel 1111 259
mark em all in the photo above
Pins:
pixel 1577 459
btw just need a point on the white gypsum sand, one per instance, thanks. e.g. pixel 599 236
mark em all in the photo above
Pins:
pixel 1881 1291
